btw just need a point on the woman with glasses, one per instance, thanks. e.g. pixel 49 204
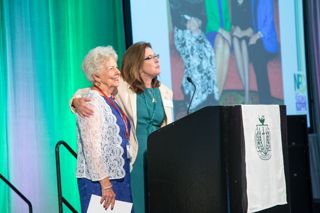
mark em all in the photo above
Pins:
pixel 148 105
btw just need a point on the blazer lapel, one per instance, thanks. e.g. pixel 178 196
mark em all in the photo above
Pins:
pixel 133 106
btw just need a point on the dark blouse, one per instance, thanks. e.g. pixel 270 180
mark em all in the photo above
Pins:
pixel 241 14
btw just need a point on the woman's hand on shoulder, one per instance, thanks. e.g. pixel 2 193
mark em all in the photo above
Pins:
pixel 82 107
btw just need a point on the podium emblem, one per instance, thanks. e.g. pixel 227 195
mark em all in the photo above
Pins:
pixel 263 139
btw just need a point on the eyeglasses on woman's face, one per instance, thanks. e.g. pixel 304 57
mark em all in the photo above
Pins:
pixel 155 56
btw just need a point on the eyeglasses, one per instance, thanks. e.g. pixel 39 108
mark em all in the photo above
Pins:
pixel 156 56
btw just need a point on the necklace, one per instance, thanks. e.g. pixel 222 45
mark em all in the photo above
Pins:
pixel 118 109
pixel 151 93
pixel 151 108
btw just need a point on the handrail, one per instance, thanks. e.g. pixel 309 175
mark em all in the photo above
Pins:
pixel 61 199
pixel 17 191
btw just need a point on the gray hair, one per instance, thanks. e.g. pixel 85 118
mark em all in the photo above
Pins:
pixel 95 58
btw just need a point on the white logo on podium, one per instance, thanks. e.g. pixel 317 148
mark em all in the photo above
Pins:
pixel 263 139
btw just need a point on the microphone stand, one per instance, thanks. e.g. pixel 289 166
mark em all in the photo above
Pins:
pixel 194 91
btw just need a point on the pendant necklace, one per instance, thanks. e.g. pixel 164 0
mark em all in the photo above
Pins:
pixel 150 109
pixel 153 99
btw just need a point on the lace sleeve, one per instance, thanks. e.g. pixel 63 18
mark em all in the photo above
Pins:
pixel 90 129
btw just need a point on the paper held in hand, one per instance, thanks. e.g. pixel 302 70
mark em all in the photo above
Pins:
pixel 119 207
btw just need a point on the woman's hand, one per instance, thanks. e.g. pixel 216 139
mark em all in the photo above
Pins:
pixel 248 32
pixel 237 32
pixel 226 35
pixel 82 107
pixel 108 196
pixel 254 38
pixel 194 24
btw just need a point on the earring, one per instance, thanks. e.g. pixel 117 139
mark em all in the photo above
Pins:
pixel 97 84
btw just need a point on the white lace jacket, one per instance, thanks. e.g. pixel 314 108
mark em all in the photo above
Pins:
pixel 99 143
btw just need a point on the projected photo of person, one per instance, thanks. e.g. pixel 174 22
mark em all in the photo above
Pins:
pixel 229 48
pixel 241 32
pixel 263 45
pixel 189 22
pixel 218 32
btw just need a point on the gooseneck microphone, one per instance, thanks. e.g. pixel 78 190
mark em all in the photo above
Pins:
pixel 194 91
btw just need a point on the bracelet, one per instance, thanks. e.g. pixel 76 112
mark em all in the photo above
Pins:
pixel 107 187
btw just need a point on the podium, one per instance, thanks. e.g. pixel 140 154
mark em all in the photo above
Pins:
pixel 197 164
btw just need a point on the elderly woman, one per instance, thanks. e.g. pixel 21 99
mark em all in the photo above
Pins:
pixel 189 20
pixel 146 101
pixel 103 167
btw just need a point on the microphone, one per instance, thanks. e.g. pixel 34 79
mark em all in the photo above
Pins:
pixel 194 91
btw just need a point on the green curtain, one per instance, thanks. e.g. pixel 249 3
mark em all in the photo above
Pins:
pixel 4 167
pixel 43 43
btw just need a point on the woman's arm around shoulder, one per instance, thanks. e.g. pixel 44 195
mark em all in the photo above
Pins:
pixel 78 103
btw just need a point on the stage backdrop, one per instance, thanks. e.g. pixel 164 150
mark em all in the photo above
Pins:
pixel 42 45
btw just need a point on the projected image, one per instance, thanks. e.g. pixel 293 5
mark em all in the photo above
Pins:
pixel 224 52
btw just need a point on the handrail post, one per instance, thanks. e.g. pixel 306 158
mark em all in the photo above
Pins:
pixel 58 176
pixel 17 191
pixel 61 199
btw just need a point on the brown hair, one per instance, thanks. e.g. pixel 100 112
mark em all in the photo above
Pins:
pixel 132 62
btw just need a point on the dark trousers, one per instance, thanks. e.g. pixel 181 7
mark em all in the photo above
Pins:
pixel 259 58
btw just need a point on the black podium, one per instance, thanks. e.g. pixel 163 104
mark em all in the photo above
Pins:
pixel 196 164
